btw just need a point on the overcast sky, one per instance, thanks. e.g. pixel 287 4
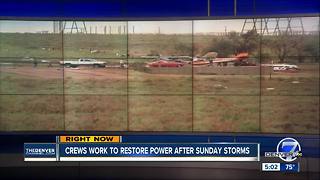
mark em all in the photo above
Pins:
pixel 165 27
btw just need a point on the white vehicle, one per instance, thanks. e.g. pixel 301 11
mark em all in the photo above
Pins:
pixel 282 67
pixel 83 62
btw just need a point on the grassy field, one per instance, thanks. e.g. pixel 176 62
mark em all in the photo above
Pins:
pixel 31 45
pixel 30 81
pixel 226 113
pixel 50 45
pixel 160 113
pixel 146 83
pixel 279 114
pixel 107 46
pixel 31 112
pixel 157 102
pixel 290 85
pixel 290 114
pixel 304 82
pixel 96 81
pixel 154 44
pixel 227 84
pixel 79 45
pixel 92 112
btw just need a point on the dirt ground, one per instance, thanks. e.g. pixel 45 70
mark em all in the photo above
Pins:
pixel 78 73
pixel 36 73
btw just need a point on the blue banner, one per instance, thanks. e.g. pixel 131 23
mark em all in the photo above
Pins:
pixel 13 143
pixel 160 151
pixel 125 9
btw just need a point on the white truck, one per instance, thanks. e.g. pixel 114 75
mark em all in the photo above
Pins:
pixel 83 62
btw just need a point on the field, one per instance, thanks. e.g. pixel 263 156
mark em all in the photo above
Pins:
pixel 204 99
pixel 31 112
pixel 95 112
pixel 226 113
pixel 160 113
pixel 304 82
pixel 50 45
pixel 290 114
pixel 155 44
pixel 96 99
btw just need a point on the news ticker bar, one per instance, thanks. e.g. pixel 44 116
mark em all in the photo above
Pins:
pixel 111 148
pixel 281 167
pixel 12 143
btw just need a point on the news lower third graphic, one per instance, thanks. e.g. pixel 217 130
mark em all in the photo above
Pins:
pixel 111 148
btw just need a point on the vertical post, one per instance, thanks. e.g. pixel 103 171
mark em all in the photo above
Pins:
pixel 265 29
pixel 254 24
pixel 72 26
pixel 54 27
pixel 75 23
pixel 64 25
pixel 277 30
pixel 289 30
pixel 301 26
pixel 84 27
pixel 244 24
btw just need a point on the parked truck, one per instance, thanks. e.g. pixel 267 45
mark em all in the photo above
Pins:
pixel 83 62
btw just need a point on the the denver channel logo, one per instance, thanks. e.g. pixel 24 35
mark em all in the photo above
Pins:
pixel 288 149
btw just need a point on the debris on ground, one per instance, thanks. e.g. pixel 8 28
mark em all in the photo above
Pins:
pixel 220 86
pixel 270 89
pixel 295 82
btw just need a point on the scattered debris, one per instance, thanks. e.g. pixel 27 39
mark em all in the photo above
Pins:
pixel 220 86
pixel 270 89
pixel 295 82
pixel 94 51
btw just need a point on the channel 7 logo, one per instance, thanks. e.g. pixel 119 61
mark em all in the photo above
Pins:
pixel 288 149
